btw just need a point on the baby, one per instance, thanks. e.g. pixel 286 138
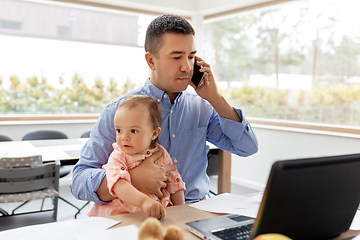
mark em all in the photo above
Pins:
pixel 138 124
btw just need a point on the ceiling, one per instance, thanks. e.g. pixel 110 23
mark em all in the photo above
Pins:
pixel 196 10
pixel 186 8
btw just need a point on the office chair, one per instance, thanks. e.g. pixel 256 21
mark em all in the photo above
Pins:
pixel 47 134
pixel 53 134
pixel 4 138
pixel 212 168
pixel 44 134
pixel 23 179
pixel 85 134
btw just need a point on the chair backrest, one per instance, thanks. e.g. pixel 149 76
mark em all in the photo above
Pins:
pixel 44 134
pixel 85 134
pixel 13 162
pixel 29 178
pixel 212 155
pixel 4 138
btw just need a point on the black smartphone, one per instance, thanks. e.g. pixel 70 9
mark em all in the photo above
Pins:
pixel 197 75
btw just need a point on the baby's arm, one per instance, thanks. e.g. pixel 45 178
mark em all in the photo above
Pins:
pixel 178 198
pixel 129 194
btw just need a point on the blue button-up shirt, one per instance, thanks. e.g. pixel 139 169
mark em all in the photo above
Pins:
pixel 187 124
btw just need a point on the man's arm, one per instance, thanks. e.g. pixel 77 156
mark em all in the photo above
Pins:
pixel 240 138
pixel 149 177
pixel 88 173
pixel 208 91
pixel 103 191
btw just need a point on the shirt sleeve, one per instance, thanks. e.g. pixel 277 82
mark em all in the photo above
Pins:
pixel 87 173
pixel 116 169
pixel 235 137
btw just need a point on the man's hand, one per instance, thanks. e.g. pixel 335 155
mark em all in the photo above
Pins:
pixel 208 90
pixel 149 177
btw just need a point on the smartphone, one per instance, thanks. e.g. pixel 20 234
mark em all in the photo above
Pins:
pixel 197 75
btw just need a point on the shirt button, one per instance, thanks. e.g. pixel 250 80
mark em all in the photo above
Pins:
pixel 173 135
pixel 158 100
pixel 122 168
pixel 177 179
pixel 175 161
pixel 165 95
pixel 171 111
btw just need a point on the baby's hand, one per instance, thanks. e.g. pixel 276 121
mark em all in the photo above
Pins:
pixel 153 208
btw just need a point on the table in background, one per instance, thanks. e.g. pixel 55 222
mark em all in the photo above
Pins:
pixel 181 214
pixel 68 152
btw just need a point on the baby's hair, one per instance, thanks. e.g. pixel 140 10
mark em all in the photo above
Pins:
pixel 154 108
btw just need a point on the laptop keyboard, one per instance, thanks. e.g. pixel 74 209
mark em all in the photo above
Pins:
pixel 240 232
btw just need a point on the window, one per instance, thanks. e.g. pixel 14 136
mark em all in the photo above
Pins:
pixel 296 61
pixel 65 58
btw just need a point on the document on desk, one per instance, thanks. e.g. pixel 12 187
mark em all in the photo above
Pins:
pixel 129 232
pixel 355 225
pixel 68 230
pixel 231 203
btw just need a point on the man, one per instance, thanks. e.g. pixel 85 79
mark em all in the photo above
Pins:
pixel 189 120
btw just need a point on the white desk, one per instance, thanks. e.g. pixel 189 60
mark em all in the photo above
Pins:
pixel 66 150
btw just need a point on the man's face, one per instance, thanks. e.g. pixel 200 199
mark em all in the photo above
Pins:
pixel 174 63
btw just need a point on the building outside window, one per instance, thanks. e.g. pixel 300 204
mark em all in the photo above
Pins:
pixel 67 59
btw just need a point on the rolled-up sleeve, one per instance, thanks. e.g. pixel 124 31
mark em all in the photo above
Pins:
pixel 116 169
pixel 235 137
pixel 87 173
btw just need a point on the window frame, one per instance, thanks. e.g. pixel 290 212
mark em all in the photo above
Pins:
pixel 347 131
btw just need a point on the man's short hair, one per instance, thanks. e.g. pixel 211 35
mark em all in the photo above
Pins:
pixel 162 24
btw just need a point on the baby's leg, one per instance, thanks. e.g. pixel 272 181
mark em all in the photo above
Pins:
pixel 174 233
pixel 151 229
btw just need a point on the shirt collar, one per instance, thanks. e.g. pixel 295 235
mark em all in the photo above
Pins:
pixel 157 93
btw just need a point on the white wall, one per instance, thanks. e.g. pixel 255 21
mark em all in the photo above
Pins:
pixel 277 144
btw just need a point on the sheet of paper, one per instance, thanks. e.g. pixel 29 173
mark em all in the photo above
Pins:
pixel 58 230
pixel 127 232
pixel 231 203
pixel 355 225
pixel 356 237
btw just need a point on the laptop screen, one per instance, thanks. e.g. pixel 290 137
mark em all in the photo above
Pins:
pixel 314 198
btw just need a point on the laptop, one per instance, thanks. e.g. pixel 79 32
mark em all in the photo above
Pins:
pixel 312 198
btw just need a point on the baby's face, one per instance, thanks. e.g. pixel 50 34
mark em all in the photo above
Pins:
pixel 134 129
